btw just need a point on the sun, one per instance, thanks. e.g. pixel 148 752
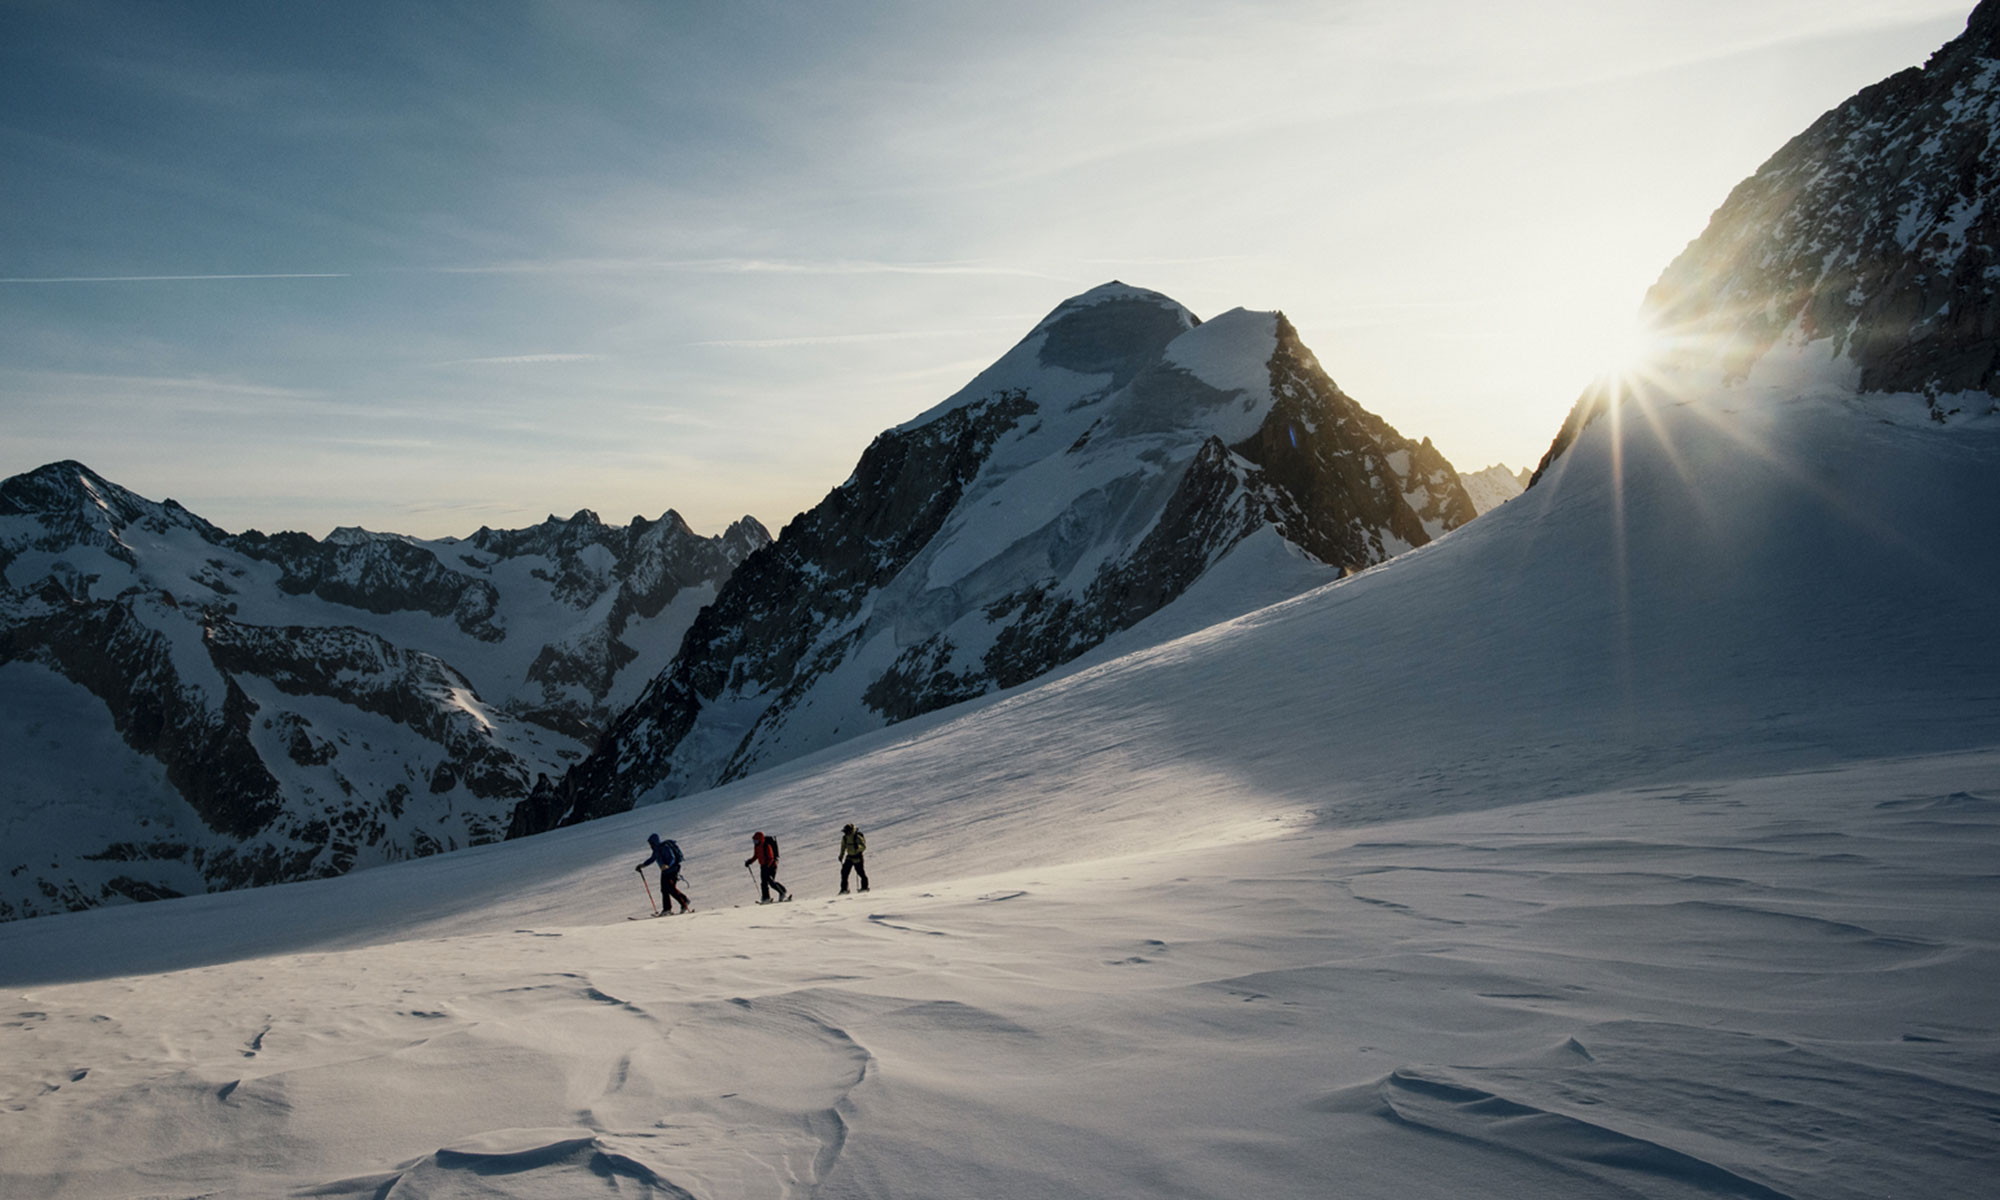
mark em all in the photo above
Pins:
pixel 1629 351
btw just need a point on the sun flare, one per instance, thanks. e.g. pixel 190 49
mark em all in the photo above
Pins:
pixel 1629 351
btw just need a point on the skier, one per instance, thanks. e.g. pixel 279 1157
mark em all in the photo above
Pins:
pixel 764 852
pixel 667 853
pixel 853 844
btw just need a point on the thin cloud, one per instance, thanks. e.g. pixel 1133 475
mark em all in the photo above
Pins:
pixel 173 278
pixel 830 339
pixel 1165 261
pixel 94 383
pixel 521 360
pixel 741 266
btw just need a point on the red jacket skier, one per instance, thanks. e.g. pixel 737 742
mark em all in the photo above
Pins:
pixel 764 852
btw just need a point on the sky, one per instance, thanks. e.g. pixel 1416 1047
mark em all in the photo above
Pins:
pixel 427 268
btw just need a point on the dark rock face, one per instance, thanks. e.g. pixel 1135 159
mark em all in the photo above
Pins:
pixel 265 797
pixel 378 575
pixel 1336 480
pixel 268 732
pixel 358 669
pixel 1875 232
pixel 121 651
pixel 642 568
pixel 1081 484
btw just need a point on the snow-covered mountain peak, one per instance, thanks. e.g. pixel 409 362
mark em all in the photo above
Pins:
pixel 1493 486
pixel 745 535
pixel 1113 458
pixel 1231 354
pixel 1115 292
pixel 1231 351
pixel 355 535
pixel 1087 348
pixel 62 487
pixel 1869 238
pixel 1113 330
pixel 67 504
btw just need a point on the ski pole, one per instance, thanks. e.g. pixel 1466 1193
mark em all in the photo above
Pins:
pixel 649 893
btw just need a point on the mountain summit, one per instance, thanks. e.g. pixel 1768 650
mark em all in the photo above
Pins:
pixel 1119 453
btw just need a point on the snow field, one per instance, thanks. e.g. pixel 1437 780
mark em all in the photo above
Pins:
pixel 1634 840
pixel 1750 987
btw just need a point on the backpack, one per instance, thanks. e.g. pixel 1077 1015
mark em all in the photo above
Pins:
pixel 771 844
pixel 671 857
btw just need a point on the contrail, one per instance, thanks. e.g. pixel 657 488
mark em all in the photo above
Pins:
pixel 829 339
pixel 173 278
pixel 736 266
pixel 519 359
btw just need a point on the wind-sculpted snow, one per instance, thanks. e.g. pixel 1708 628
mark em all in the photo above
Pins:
pixel 1088 479
pixel 1752 987
pixel 312 706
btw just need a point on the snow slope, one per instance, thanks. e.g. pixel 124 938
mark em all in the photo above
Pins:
pixel 1633 840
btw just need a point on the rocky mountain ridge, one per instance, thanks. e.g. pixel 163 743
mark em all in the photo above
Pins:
pixel 239 710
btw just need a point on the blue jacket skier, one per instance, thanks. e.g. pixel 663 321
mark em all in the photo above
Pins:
pixel 668 854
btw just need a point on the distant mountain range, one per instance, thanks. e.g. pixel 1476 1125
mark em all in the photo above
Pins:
pixel 1494 486
pixel 183 709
